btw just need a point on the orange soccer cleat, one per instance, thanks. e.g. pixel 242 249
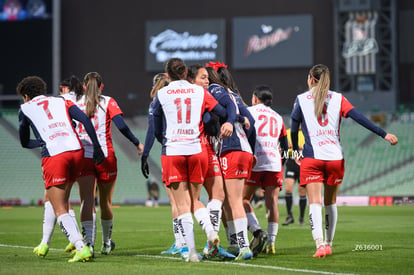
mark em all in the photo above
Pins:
pixel 320 252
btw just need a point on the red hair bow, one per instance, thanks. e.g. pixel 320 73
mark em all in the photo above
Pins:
pixel 216 65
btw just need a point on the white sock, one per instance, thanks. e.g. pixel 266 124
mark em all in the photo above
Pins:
pixel 185 221
pixel 178 234
pixel 252 222
pixel 231 234
pixel 69 228
pixel 272 229
pixel 203 218
pixel 106 231
pixel 87 231
pixel 94 228
pixel 241 232
pixel 331 217
pixel 72 214
pixel 315 219
pixel 49 221
pixel 214 208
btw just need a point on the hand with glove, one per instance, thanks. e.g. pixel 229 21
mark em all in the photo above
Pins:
pixel 144 166
pixel 98 155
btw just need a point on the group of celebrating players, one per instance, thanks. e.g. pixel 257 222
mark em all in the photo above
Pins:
pixel 210 137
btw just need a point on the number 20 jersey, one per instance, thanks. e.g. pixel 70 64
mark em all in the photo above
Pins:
pixel 269 128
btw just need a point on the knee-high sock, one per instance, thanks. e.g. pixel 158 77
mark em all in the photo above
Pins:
pixel 69 228
pixel 178 234
pixel 94 228
pixel 231 234
pixel 241 232
pixel 214 208
pixel 272 230
pixel 315 220
pixel 185 222
pixel 72 214
pixel 106 231
pixel 49 221
pixel 203 218
pixel 331 217
pixel 289 202
pixel 252 222
pixel 87 231
pixel 302 206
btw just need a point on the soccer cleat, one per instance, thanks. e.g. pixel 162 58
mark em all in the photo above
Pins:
pixel 328 249
pixel 233 250
pixel 245 254
pixel 289 220
pixel 185 253
pixel 223 254
pixel 270 249
pixel 41 250
pixel 213 247
pixel 320 252
pixel 83 255
pixel 107 249
pixel 301 221
pixel 70 247
pixel 258 242
pixel 173 250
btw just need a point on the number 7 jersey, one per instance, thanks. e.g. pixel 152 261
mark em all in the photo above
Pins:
pixel 50 118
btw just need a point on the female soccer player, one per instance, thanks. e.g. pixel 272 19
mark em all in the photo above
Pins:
pixel 102 110
pixel 268 171
pixel 319 112
pixel 236 160
pixel 179 246
pixel 177 122
pixel 70 89
pixel 62 153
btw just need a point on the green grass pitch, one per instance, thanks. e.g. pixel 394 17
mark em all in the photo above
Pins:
pixel 368 240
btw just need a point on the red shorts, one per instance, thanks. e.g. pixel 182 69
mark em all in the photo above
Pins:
pixel 236 164
pixel 192 168
pixel 105 172
pixel 214 169
pixel 62 168
pixel 315 170
pixel 265 178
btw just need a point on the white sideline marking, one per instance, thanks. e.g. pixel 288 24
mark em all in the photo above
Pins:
pixel 251 265
pixel 213 262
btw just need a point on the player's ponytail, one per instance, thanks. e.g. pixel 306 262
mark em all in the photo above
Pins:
pixel 320 75
pixel 93 83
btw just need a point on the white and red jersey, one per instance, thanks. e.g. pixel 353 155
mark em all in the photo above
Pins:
pixel 183 104
pixel 269 128
pixel 107 109
pixel 69 96
pixel 52 123
pixel 321 135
